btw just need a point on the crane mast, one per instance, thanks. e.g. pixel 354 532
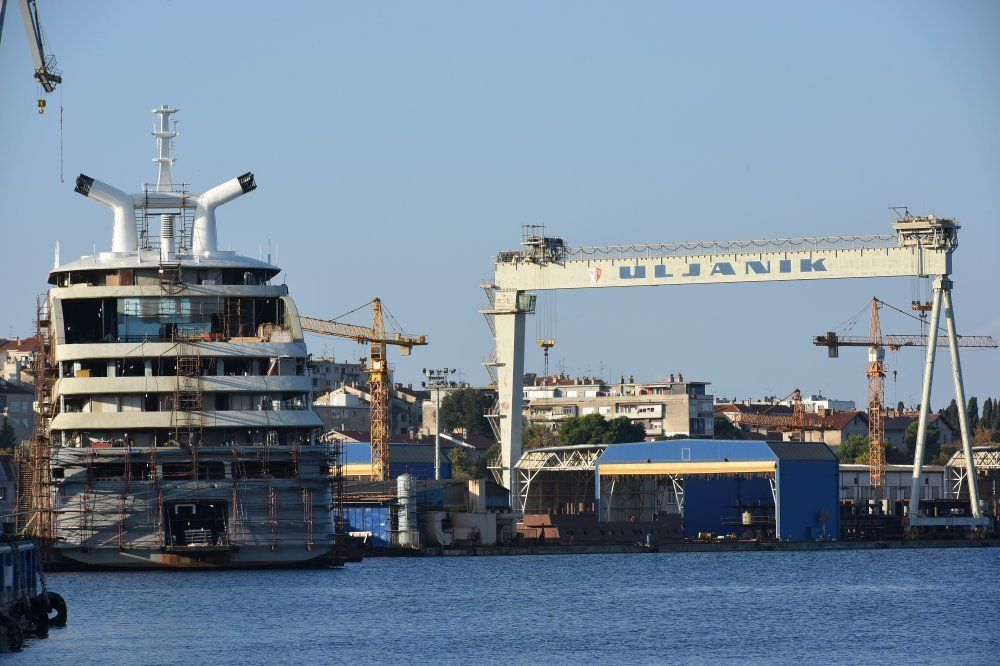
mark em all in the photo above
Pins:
pixel 876 392
pixel 378 372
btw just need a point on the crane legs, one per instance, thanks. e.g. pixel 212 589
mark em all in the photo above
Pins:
pixel 942 292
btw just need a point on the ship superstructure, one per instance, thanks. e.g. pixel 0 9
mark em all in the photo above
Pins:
pixel 175 404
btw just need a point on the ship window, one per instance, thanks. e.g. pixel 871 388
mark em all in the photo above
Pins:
pixel 208 470
pixel 254 469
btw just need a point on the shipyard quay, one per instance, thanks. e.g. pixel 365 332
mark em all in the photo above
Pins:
pixel 176 414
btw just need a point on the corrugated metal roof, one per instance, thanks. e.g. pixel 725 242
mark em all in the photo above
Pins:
pixel 713 450
pixel 356 453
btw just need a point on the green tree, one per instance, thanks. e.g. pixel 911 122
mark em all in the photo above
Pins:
pixel 986 420
pixel 947 451
pixel 932 447
pixel 900 407
pixel 537 436
pixel 463 463
pixel 8 438
pixel 950 414
pixel 595 429
pixel 972 411
pixel 854 450
pixel 465 408
pixel 724 428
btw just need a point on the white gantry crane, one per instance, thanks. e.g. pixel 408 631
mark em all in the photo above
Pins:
pixel 46 74
pixel 920 247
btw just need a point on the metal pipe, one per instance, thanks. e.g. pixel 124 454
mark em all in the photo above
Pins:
pixel 124 237
pixel 925 401
pixel 205 238
pixel 963 417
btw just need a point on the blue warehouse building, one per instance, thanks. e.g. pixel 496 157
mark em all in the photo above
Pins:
pixel 404 458
pixel 756 489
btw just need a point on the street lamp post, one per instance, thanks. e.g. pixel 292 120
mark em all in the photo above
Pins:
pixel 437 379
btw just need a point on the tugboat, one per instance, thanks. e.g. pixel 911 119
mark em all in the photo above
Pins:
pixel 173 390
pixel 27 608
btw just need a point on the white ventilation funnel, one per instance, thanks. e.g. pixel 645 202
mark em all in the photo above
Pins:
pixel 205 237
pixel 123 235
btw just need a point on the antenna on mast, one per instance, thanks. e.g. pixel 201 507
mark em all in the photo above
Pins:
pixel 163 138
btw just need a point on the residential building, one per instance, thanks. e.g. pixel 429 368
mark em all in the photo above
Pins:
pixel 17 405
pixel 8 487
pixel 16 358
pixel 669 408
pixel 815 403
pixel 894 427
pixel 328 374
pixel 349 408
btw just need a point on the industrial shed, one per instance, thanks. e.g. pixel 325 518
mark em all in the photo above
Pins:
pixel 784 490
pixel 404 458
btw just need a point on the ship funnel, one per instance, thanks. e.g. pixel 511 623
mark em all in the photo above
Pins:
pixel 205 239
pixel 123 235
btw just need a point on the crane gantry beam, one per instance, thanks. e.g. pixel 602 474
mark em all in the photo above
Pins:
pixel 919 247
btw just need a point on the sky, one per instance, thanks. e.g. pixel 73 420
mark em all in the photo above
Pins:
pixel 398 146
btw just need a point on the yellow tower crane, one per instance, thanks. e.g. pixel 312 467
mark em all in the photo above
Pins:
pixel 378 372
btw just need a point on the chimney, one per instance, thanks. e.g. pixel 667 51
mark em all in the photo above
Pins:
pixel 124 237
pixel 205 237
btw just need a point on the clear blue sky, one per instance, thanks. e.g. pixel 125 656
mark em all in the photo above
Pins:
pixel 398 146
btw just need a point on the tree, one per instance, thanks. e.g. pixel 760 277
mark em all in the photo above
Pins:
pixel 854 450
pixel 724 428
pixel 947 451
pixel 463 465
pixel 466 409
pixel 972 411
pixel 8 438
pixel 537 436
pixel 932 447
pixel 950 414
pixel 986 420
pixel 595 429
pixel 622 429
pixel 900 407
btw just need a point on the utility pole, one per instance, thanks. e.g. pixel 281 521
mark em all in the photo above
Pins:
pixel 437 379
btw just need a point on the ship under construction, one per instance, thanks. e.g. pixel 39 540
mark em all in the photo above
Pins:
pixel 175 423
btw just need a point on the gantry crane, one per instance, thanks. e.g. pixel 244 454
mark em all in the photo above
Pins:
pixel 46 74
pixel 378 372
pixel 876 343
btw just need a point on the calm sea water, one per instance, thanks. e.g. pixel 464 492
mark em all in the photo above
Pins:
pixel 923 606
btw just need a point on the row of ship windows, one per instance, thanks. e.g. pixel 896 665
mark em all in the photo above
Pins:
pixel 165 319
pixel 125 277
pixel 166 366
pixel 207 470
pixel 168 438
pixel 166 402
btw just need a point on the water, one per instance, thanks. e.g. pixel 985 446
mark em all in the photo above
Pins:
pixel 889 606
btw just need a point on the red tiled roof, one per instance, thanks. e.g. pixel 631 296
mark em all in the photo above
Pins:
pixel 840 420
pixel 24 345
